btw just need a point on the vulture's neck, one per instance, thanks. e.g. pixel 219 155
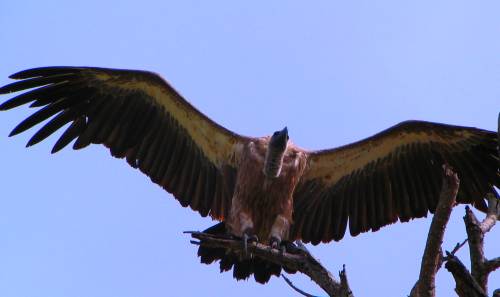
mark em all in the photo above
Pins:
pixel 273 162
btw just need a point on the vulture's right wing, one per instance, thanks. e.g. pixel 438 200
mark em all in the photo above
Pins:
pixel 139 116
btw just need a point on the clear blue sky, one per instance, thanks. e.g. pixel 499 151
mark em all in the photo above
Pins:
pixel 85 224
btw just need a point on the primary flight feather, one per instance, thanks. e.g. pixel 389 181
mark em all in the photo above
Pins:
pixel 262 188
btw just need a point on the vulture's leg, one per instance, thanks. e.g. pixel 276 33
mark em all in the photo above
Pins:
pixel 246 224
pixel 278 231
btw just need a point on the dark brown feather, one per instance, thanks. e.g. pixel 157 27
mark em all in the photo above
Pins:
pixel 209 193
pixel 386 189
pixel 45 71
pixel 417 176
pixel 199 188
pixel 131 156
pixel 145 144
pixel 53 125
pixel 342 213
pixel 156 172
pixel 77 127
pixel 416 206
pixel 174 164
pixel 154 155
pixel 369 197
pixel 172 140
pixel 109 122
pixel 35 82
pixel 42 92
pixel 186 177
pixel 54 92
pixel 217 202
pixel 355 199
pixel 41 115
pixel 380 199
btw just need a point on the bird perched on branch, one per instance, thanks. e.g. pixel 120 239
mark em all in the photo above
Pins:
pixel 261 188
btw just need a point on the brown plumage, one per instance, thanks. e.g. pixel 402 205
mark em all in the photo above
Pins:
pixel 264 200
pixel 263 186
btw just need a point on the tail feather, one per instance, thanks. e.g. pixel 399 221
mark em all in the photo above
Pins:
pixel 209 255
pixel 242 268
pixel 226 262
pixel 263 270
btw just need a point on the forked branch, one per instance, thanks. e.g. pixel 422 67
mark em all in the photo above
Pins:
pixel 432 258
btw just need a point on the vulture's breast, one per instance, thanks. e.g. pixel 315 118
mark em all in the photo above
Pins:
pixel 261 197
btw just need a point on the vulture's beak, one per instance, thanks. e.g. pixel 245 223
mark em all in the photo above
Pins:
pixel 279 139
pixel 284 133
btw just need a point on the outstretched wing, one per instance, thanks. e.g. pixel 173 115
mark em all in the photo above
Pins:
pixel 395 174
pixel 140 117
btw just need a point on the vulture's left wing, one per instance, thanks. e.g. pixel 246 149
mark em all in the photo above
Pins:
pixel 395 174
pixel 140 117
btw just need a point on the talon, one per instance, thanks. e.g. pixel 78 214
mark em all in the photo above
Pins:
pixel 275 242
pixel 290 247
pixel 248 237
pixel 245 243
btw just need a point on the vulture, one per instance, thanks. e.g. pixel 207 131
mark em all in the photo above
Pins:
pixel 267 188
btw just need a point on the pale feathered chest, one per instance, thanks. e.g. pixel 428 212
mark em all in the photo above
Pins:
pixel 261 197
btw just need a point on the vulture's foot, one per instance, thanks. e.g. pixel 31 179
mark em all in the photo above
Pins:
pixel 276 243
pixel 284 246
pixel 289 247
pixel 248 236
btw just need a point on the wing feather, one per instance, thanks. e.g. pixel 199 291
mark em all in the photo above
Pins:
pixel 393 175
pixel 138 116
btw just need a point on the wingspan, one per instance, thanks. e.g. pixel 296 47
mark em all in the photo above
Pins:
pixel 140 117
pixel 395 174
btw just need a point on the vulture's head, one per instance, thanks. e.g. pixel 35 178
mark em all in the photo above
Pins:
pixel 275 152
pixel 279 140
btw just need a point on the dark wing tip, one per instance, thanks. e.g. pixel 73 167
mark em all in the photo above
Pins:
pixel 4 106
pixel 44 71
pixel 13 133
pixel 5 90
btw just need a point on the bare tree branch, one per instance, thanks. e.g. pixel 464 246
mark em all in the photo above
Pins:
pixel 289 282
pixel 432 258
pixel 466 285
pixel 458 246
pixel 476 248
pixel 492 264
pixel 480 266
pixel 302 261
pixel 475 283
pixel 493 213
pixel 344 283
